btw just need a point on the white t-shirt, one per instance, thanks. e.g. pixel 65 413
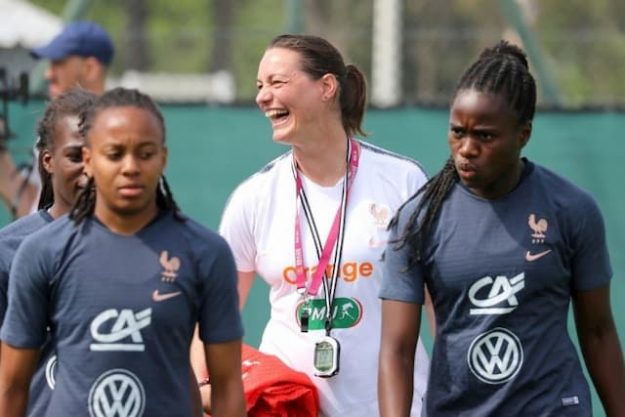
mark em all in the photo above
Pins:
pixel 259 223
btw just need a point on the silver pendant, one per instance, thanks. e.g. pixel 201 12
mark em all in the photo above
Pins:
pixel 326 360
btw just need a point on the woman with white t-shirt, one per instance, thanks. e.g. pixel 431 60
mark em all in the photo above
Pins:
pixel 322 206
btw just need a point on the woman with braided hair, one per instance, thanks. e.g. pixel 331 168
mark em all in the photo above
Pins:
pixel 503 245
pixel 122 283
pixel 61 169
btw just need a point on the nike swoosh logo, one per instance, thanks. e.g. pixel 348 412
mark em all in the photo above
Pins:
pixel 158 297
pixel 530 257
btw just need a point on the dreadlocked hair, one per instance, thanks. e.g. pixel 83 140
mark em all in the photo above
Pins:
pixel 85 202
pixel 121 97
pixel 72 103
pixel 503 70
pixel 500 70
pixel 433 194
pixel 165 199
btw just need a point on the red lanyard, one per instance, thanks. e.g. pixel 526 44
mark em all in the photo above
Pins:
pixel 336 231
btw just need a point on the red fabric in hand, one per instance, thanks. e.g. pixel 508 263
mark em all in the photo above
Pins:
pixel 272 389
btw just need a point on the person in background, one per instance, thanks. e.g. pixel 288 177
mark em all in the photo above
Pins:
pixel 79 56
pixel 504 245
pixel 60 164
pixel 312 224
pixel 121 283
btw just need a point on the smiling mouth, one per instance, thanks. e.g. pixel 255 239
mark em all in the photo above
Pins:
pixel 277 115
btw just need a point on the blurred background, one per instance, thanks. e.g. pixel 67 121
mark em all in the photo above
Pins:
pixel 199 60
pixel 411 50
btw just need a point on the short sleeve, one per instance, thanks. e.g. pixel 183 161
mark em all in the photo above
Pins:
pixel 416 180
pixel 236 228
pixel 400 282
pixel 220 320
pixel 591 262
pixel 26 319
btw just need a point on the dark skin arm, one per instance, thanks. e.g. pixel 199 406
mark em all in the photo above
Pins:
pixel 224 367
pixel 245 281
pixel 16 370
pixel 400 328
pixel 601 347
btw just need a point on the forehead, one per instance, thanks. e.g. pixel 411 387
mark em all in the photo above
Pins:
pixel 67 62
pixel 67 129
pixel 126 122
pixel 482 106
pixel 279 60
pixel 66 121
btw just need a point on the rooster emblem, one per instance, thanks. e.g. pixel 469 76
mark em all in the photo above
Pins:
pixel 170 266
pixel 380 214
pixel 538 227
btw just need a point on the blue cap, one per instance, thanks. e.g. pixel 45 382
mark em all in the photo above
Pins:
pixel 78 38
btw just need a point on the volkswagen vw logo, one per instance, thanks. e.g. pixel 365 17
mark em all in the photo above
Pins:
pixel 117 393
pixel 496 356
pixel 51 371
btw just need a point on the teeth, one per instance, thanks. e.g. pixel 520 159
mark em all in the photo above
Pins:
pixel 275 113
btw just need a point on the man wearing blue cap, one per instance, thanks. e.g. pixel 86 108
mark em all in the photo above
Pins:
pixel 79 56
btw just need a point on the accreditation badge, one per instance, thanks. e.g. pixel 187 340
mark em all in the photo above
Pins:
pixel 326 357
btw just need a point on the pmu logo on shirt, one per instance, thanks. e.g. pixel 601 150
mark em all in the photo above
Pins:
pixel 495 296
pixel 120 330
pixel 346 312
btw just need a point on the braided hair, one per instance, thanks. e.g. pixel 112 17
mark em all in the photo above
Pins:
pixel 121 97
pixel 500 70
pixel 72 103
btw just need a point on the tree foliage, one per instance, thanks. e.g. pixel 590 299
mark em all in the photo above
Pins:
pixel 582 42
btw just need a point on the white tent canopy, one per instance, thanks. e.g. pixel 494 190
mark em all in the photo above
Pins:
pixel 23 24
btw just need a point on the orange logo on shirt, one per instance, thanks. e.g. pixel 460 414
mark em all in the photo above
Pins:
pixel 350 271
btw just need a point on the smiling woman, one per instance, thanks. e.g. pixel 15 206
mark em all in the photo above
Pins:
pixel 122 283
pixel 312 222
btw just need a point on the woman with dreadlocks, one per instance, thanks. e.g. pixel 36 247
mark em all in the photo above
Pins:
pixel 503 245
pixel 121 283
pixel 60 166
